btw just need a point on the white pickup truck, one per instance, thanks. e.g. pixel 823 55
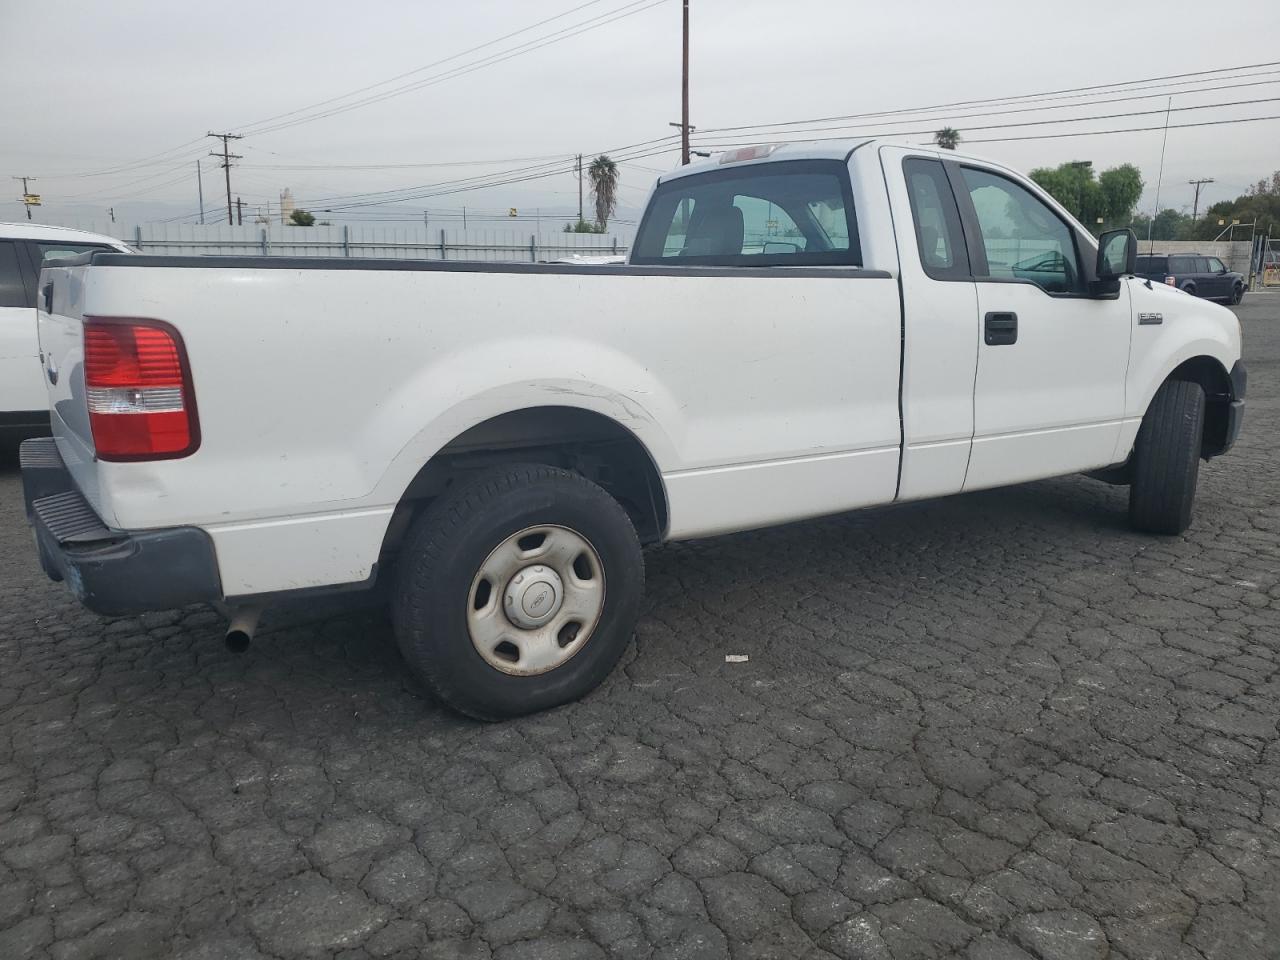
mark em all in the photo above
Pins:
pixel 798 331
pixel 24 408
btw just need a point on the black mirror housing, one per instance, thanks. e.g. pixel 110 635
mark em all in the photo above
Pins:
pixel 1117 254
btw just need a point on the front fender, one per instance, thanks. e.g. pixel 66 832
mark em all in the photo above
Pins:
pixel 1188 328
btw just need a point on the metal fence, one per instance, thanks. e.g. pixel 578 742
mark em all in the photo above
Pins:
pixel 358 240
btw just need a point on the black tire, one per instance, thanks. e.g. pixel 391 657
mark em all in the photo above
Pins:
pixel 1237 294
pixel 1189 288
pixel 1166 459
pixel 444 550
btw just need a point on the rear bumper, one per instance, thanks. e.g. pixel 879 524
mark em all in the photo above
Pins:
pixel 110 571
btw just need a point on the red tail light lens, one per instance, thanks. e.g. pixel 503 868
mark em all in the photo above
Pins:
pixel 138 386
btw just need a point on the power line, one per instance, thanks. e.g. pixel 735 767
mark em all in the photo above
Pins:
pixel 258 126
pixel 409 73
pixel 1079 91
pixel 1021 123
pixel 631 9
pixel 1032 108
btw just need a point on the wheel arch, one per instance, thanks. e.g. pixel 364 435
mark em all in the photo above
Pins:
pixel 1213 377
pixel 585 441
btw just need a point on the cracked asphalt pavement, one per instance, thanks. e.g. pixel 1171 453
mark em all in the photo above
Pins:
pixel 994 727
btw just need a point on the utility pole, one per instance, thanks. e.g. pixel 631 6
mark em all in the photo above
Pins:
pixel 200 190
pixel 239 212
pixel 1195 207
pixel 226 163
pixel 26 194
pixel 684 91
pixel 579 192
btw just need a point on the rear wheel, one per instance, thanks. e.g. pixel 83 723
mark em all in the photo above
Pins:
pixel 1166 459
pixel 1189 288
pixel 518 591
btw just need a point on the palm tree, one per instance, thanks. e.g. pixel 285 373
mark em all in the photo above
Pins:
pixel 604 188
pixel 948 138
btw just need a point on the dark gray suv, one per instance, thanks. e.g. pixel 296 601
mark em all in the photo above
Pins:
pixel 1198 275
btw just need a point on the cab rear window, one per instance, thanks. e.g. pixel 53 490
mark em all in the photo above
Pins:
pixel 786 213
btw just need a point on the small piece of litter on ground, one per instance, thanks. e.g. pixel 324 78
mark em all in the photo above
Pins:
pixel 736 658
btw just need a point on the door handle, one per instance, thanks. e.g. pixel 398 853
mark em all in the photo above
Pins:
pixel 47 293
pixel 1000 329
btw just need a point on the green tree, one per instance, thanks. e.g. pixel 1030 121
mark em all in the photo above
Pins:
pixel 604 188
pixel 1121 187
pixel 1109 197
pixel 301 218
pixel 948 138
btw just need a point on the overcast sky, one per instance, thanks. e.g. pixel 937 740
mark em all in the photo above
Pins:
pixel 130 87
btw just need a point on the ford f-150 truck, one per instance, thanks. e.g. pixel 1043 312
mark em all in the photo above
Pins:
pixel 798 331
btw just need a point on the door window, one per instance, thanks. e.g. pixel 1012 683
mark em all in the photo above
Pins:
pixel 1181 266
pixel 12 291
pixel 1023 238
pixel 937 220
pixel 1215 265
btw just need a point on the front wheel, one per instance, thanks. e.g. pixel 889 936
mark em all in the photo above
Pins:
pixel 1166 459
pixel 518 591
pixel 1237 293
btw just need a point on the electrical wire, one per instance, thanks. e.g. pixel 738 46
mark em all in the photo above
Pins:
pixel 631 9
pixel 1021 123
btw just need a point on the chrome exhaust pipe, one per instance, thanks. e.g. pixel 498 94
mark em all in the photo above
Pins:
pixel 244 622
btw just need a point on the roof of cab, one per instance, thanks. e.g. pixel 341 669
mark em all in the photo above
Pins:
pixel 43 231
pixel 804 150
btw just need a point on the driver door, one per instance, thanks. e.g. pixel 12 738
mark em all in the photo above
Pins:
pixel 1050 388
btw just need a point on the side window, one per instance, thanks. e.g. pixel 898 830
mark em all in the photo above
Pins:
pixel 1181 266
pixel 1202 265
pixel 792 213
pixel 1022 236
pixel 1215 265
pixel 12 291
pixel 937 220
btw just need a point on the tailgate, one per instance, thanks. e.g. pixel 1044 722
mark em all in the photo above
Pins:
pixel 59 314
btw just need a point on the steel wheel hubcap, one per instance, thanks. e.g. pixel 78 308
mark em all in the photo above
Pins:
pixel 535 600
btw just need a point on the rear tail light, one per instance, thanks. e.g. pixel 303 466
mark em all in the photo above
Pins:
pixel 138 387
pixel 1171 281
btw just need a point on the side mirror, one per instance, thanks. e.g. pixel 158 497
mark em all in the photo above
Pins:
pixel 1117 254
